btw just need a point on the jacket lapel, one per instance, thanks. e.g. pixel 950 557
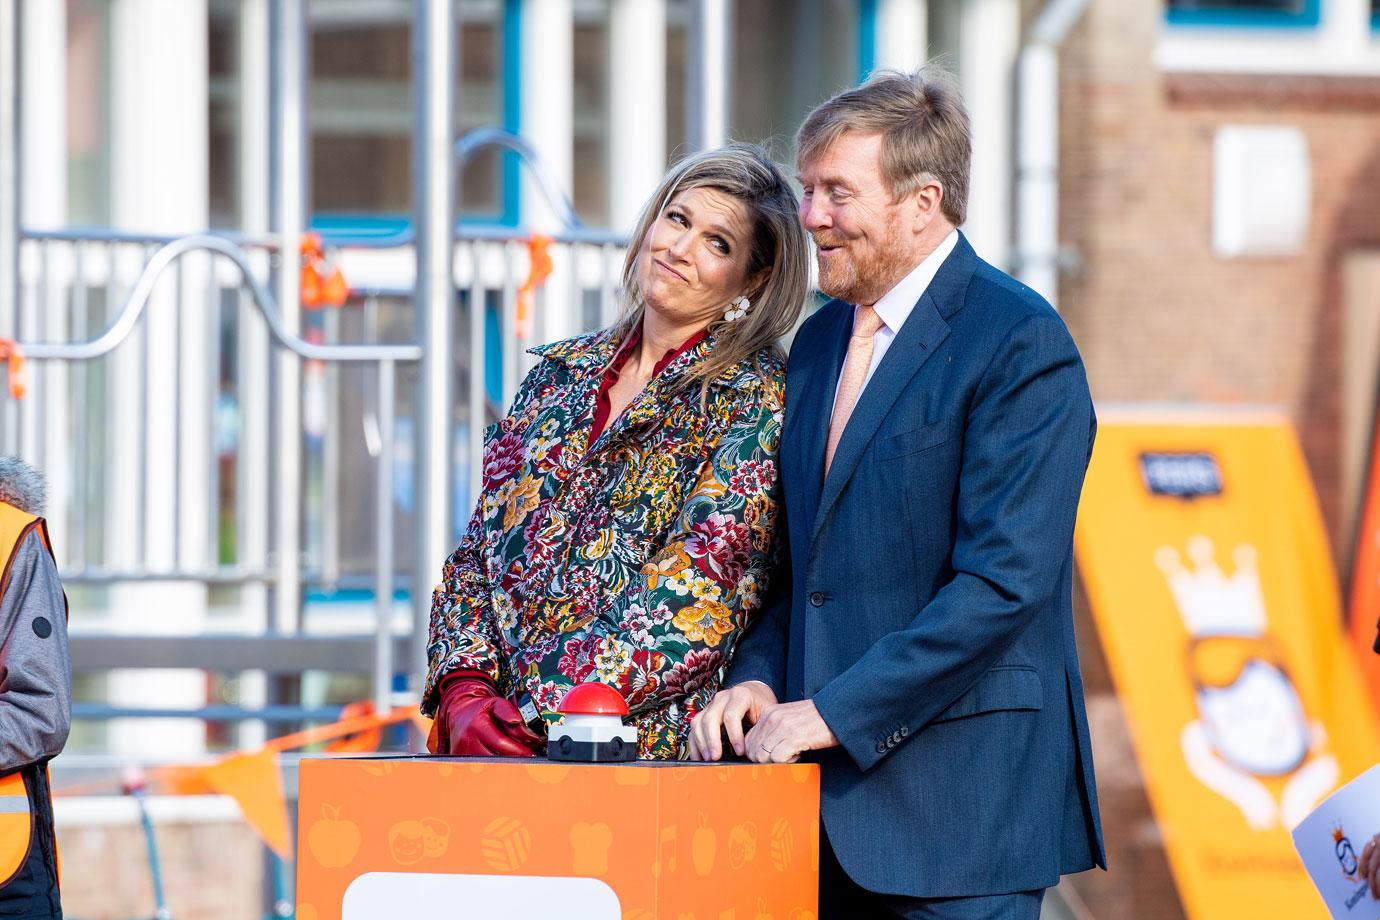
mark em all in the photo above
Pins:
pixel 649 407
pixel 924 329
pixel 918 339
pixel 810 402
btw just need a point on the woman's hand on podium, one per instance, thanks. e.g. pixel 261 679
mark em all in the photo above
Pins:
pixel 472 720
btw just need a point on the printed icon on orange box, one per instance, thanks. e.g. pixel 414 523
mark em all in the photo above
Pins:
pixel 505 844
pixel 814 846
pixel 762 911
pixel 548 774
pixel 333 843
pixel 377 769
pixel 703 847
pixel 801 913
pixel 410 842
pixel 435 837
pixel 782 843
pixel 406 842
pixel 632 777
pixel 667 844
pixel 590 844
pixel 742 844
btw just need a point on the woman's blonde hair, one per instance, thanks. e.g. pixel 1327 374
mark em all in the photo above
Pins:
pixel 746 173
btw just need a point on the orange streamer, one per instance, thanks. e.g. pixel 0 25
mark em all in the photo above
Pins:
pixel 539 258
pixel 323 284
pixel 17 368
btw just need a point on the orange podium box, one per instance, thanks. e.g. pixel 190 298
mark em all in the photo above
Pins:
pixel 428 837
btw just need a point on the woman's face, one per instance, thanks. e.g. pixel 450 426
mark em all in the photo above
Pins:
pixel 695 257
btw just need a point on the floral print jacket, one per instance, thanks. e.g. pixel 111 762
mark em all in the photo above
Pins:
pixel 637 560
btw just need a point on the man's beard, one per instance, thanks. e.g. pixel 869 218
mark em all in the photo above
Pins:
pixel 863 279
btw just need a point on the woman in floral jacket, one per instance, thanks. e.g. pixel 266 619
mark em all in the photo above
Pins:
pixel 624 531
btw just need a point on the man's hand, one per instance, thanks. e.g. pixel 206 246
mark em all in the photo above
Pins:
pixel 1369 868
pixel 786 731
pixel 726 714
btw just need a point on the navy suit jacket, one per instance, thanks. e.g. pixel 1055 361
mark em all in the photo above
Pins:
pixel 923 600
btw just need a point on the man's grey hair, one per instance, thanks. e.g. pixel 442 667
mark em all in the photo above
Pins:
pixel 22 486
pixel 924 127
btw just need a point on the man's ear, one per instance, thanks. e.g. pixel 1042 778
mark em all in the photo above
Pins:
pixel 926 201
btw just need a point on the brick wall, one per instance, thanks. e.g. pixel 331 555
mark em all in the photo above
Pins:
pixel 212 869
pixel 1160 319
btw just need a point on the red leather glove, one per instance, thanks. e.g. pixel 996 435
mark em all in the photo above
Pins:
pixel 472 720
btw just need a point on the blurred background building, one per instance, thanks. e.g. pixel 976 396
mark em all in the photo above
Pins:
pixel 1194 183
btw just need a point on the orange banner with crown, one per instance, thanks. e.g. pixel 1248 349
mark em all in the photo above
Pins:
pixel 1212 586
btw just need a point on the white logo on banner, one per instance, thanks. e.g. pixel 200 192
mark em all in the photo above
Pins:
pixel 1251 723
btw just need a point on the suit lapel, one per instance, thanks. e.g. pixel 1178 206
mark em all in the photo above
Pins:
pixel 810 401
pixel 921 334
pixel 919 338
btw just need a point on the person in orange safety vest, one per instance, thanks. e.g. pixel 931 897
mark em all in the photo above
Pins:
pixel 35 697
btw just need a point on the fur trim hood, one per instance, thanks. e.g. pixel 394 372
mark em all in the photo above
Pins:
pixel 22 486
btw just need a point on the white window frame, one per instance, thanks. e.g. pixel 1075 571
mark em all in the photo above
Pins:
pixel 1345 43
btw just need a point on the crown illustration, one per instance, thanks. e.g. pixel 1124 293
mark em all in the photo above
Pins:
pixel 1337 835
pixel 1211 602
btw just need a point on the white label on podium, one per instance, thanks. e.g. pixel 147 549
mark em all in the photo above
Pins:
pixel 436 896
pixel 1330 841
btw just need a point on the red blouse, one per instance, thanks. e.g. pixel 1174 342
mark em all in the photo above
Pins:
pixel 602 405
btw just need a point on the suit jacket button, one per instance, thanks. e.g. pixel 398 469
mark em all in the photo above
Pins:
pixel 817 599
pixel 881 747
pixel 902 732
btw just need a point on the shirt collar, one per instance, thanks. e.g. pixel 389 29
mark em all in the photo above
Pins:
pixel 896 304
pixel 590 353
pixel 635 338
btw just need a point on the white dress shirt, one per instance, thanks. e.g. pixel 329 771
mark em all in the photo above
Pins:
pixel 896 304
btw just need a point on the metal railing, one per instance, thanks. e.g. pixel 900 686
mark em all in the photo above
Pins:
pixel 68 428
pixel 62 388
pixel 154 408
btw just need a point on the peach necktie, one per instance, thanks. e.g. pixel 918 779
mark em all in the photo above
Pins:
pixel 866 322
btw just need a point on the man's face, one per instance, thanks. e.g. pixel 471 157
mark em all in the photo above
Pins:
pixel 859 230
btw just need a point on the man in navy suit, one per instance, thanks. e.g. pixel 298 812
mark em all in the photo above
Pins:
pixel 918 639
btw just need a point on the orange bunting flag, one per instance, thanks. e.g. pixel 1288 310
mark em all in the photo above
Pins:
pixel 17 367
pixel 254 782
pixel 323 284
pixel 361 742
pixel 539 258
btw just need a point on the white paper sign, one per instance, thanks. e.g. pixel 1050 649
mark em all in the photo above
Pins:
pixel 436 896
pixel 1330 841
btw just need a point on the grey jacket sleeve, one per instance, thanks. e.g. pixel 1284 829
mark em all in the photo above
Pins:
pixel 35 668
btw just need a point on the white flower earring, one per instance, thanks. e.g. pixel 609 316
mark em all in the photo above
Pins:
pixel 737 309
